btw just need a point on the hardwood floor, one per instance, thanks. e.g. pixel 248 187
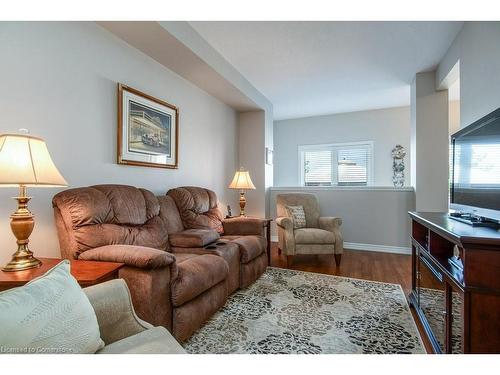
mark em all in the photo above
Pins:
pixel 367 265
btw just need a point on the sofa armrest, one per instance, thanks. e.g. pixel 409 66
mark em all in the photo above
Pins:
pixel 114 310
pixel 329 223
pixel 332 224
pixel 286 235
pixel 134 256
pixel 148 273
pixel 284 223
pixel 244 226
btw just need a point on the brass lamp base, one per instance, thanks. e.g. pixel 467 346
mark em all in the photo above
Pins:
pixel 22 223
pixel 243 202
pixel 22 261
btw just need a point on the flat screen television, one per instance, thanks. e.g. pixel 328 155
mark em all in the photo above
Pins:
pixel 475 169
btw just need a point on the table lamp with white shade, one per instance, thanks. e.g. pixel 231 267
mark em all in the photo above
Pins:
pixel 24 162
pixel 242 182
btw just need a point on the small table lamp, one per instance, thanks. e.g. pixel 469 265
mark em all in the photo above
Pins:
pixel 25 161
pixel 242 182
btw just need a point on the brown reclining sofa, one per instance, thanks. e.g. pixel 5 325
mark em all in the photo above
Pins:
pixel 182 259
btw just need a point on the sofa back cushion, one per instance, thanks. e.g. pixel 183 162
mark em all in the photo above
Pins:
pixel 170 214
pixel 198 207
pixel 102 215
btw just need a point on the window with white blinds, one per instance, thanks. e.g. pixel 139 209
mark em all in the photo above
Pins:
pixel 343 164
pixel 318 168
pixel 477 164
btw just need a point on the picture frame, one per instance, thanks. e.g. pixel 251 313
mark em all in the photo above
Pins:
pixel 148 130
pixel 269 156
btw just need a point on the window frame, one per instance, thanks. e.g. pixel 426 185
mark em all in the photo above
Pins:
pixel 336 147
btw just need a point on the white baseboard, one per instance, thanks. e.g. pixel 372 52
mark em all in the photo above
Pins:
pixel 370 247
pixel 380 248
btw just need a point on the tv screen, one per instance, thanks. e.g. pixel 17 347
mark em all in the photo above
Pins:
pixel 475 174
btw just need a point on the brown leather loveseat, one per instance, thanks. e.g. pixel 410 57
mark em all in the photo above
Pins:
pixel 178 277
pixel 198 208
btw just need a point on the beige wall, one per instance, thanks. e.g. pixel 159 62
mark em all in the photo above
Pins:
pixel 430 139
pixel 251 157
pixel 477 50
pixel 59 80
pixel 385 127
pixel 454 116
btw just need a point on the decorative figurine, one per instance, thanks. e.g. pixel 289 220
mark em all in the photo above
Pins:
pixel 398 166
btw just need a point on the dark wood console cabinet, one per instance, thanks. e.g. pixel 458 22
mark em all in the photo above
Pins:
pixel 458 308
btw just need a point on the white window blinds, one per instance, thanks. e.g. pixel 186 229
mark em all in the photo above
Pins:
pixel 353 166
pixel 346 164
pixel 477 164
pixel 317 168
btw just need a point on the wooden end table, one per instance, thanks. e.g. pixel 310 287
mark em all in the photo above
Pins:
pixel 268 238
pixel 86 272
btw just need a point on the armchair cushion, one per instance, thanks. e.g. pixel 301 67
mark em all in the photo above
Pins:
pixel 243 226
pixel 193 238
pixel 314 236
pixel 135 256
pixel 308 201
pixel 298 216
pixel 50 314
pixel 156 340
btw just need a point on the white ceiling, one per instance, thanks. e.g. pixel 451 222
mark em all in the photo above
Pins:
pixel 315 68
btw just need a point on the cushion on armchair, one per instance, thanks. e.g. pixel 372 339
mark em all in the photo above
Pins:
pixel 50 314
pixel 314 236
pixel 298 216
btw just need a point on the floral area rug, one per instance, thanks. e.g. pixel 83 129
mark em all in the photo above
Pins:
pixel 288 311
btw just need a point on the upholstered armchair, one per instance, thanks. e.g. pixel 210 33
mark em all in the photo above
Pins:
pixel 321 235
pixel 121 329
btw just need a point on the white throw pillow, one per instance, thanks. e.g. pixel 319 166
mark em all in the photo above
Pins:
pixel 298 216
pixel 50 314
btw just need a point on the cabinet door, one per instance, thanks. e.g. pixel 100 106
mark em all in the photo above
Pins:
pixel 431 290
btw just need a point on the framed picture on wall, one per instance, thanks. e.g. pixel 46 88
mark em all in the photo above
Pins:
pixel 148 130
pixel 269 156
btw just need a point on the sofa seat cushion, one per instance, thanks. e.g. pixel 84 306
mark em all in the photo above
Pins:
pixel 195 275
pixel 313 236
pixel 193 238
pixel 250 246
pixel 156 340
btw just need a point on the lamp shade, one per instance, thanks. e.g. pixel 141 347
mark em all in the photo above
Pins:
pixel 242 181
pixel 25 160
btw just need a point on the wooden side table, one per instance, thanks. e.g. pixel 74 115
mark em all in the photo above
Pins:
pixel 268 238
pixel 86 272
